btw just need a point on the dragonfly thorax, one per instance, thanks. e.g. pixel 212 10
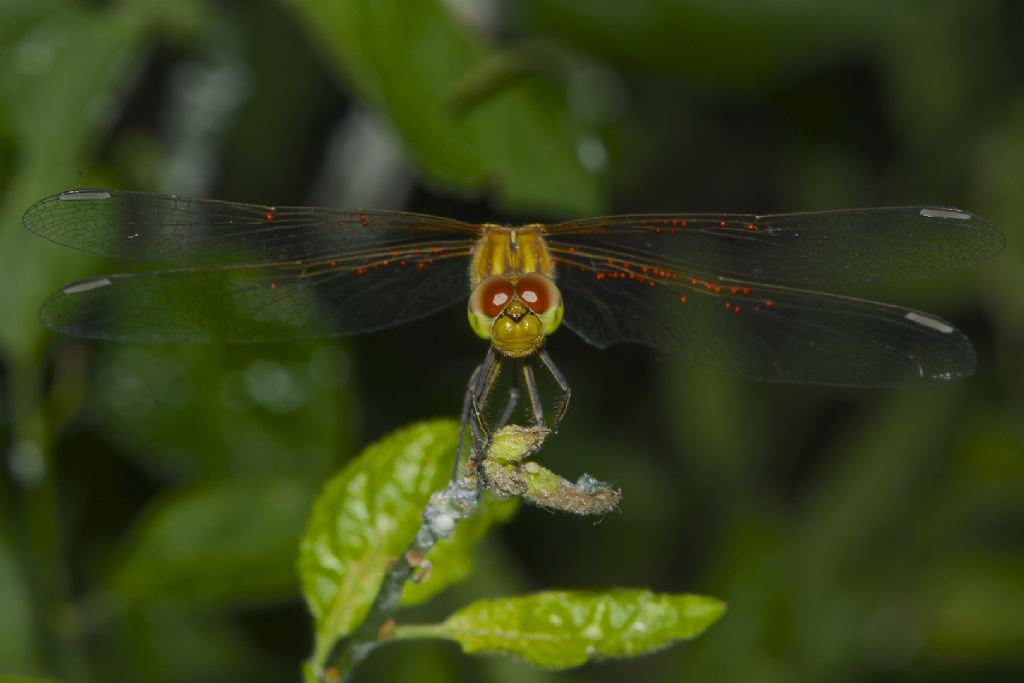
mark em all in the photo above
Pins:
pixel 511 252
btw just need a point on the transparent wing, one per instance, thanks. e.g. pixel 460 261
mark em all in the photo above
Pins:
pixel 253 273
pixel 824 247
pixel 767 332
pixel 718 289
pixel 189 232
pixel 260 303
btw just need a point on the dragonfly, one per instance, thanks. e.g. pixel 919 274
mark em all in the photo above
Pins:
pixel 741 294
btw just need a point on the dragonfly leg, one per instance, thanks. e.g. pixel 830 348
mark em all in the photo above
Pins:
pixel 566 391
pixel 533 393
pixel 511 403
pixel 464 422
pixel 472 418
pixel 479 390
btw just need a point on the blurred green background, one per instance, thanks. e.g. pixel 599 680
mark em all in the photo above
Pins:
pixel 152 496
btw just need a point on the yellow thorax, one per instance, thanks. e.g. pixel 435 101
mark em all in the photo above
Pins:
pixel 510 252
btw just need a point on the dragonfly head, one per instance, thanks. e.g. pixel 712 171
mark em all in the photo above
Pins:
pixel 515 313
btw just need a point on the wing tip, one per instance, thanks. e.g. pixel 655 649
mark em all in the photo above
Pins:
pixel 35 220
pixel 986 229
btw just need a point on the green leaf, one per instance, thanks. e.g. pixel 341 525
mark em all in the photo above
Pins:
pixel 225 409
pixel 365 518
pixel 410 59
pixel 451 559
pixel 647 36
pixel 229 541
pixel 24 679
pixel 85 57
pixel 563 629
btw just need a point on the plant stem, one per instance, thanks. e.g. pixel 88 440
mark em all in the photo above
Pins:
pixel 446 507
pixel 419 632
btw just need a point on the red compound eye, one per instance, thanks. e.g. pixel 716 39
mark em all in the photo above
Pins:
pixel 537 292
pixel 491 296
